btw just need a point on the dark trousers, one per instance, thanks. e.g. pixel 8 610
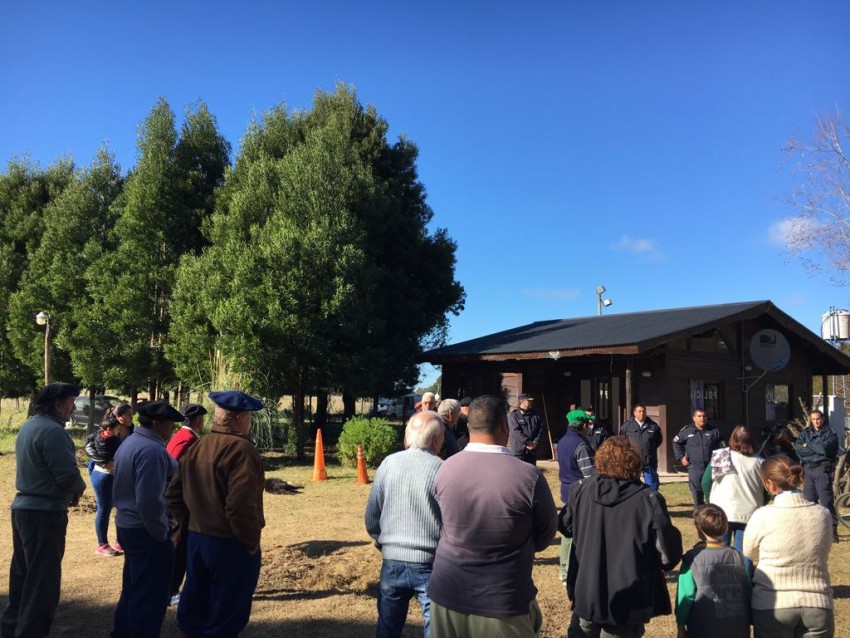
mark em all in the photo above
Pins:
pixel 148 565
pixel 35 575
pixel 221 576
pixel 695 472
pixel 817 487
pixel 528 457
pixel 180 552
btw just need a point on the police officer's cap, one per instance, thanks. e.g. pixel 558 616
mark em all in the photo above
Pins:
pixel 465 401
pixel 159 410
pixel 193 409
pixel 56 391
pixel 235 400
pixel 525 397
pixel 577 417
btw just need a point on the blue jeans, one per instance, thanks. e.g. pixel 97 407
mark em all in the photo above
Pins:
pixel 650 477
pixel 734 536
pixel 102 485
pixel 400 581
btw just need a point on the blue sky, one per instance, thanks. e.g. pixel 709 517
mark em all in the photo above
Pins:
pixel 563 144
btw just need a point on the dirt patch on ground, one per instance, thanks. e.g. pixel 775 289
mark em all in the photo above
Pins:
pixel 330 567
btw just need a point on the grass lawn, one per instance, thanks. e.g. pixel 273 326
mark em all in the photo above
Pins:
pixel 320 569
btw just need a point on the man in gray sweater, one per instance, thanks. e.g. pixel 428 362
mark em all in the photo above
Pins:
pixel 48 481
pixel 403 517
pixel 497 511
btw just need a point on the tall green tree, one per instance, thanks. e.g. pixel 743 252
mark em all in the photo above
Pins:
pixel 26 191
pixel 77 228
pixel 322 272
pixel 166 200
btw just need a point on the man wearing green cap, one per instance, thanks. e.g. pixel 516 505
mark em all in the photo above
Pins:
pixel 48 481
pixel 575 462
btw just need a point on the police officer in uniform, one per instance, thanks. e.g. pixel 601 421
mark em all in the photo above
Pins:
pixel 817 448
pixel 646 433
pixel 693 446
pixel 525 430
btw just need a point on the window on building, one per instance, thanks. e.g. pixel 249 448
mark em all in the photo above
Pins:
pixel 708 396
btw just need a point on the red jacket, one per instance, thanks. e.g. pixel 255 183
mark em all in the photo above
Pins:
pixel 180 442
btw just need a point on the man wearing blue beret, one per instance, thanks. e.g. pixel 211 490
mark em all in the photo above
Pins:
pixel 142 469
pixel 219 486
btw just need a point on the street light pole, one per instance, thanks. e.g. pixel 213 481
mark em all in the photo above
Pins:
pixel 600 303
pixel 43 319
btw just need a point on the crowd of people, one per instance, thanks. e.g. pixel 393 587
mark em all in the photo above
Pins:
pixel 185 505
pixel 458 516
pixel 465 548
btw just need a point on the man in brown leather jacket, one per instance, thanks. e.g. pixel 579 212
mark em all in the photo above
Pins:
pixel 219 484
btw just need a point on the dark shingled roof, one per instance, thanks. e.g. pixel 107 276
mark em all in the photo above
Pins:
pixel 634 332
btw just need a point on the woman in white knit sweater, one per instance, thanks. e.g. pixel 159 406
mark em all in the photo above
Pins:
pixel 737 488
pixel 790 540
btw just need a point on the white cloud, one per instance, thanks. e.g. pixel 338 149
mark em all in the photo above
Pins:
pixel 646 247
pixel 551 294
pixel 794 233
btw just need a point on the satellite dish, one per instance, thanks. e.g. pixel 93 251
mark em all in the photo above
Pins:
pixel 769 350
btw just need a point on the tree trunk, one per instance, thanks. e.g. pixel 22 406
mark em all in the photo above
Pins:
pixel 320 419
pixel 349 403
pixel 298 416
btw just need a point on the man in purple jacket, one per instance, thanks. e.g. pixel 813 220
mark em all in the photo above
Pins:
pixel 497 512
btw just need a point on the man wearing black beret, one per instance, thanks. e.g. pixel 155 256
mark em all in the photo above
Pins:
pixel 142 470
pixel 48 481
pixel 219 486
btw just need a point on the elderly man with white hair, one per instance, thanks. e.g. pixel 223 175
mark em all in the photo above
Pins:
pixel 403 517
pixel 449 411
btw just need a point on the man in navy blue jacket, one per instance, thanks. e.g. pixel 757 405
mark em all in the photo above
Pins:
pixel 817 448
pixel 575 462
pixel 693 446
pixel 646 433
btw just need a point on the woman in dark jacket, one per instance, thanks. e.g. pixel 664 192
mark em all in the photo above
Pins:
pixel 623 541
pixel 101 447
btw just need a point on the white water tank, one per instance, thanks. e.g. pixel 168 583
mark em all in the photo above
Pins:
pixel 835 325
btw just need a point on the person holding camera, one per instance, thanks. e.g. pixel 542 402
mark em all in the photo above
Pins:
pixel 817 449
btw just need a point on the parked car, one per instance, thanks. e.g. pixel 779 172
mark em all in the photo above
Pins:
pixel 84 408
pixel 402 407
pixel 381 408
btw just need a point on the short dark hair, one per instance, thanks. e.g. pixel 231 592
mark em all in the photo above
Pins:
pixel 486 414
pixel 638 405
pixel 815 411
pixel 741 441
pixel 710 520
pixel 618 457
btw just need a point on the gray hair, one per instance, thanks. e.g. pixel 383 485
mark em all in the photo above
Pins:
pixel 448 406
pixel 422 428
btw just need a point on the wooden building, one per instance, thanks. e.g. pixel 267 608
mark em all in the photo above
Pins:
pixel 672 361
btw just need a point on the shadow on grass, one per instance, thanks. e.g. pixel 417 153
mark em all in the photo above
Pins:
pixel 314 549
pixel 841 591
pixel 78 618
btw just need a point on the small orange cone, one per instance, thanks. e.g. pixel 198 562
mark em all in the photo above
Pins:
pixel 362 476
pixel 319 473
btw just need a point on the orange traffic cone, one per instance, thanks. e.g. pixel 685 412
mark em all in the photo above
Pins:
pixel 362 476
pixel 319 473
